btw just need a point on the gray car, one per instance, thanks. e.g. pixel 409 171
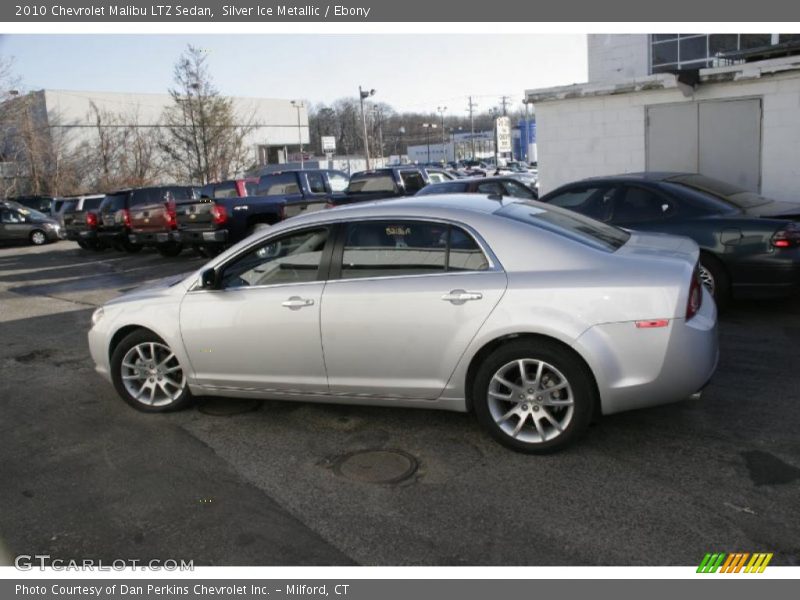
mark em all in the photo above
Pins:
pixel 21 224
pixel 535 318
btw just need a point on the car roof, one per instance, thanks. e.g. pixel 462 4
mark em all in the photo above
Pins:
pixel 639 176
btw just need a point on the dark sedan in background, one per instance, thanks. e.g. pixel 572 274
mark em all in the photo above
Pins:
pixel 496 186
pixel 750 245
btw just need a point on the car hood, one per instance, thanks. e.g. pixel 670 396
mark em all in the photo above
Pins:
pixel 159 287
pixel 775 209
pixel 661 245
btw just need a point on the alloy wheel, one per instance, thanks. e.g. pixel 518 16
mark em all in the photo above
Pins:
pixel 707 279
pixel 152 374
pixel 530 400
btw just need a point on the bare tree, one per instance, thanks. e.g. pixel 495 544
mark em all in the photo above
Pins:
pixel 204 136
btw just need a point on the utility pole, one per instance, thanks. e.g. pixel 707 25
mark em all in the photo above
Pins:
pixel 298 106
pixel 428 127
pixel 472 106
pixel 379 119
pixel 362 94
pixel 441 110
pixel 504 100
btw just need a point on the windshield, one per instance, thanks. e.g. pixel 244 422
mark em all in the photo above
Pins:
pixel 732 194
pixel 373 182
pixel 568 224
pixel 34 216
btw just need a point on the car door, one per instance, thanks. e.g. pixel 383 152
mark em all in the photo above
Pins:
pixel 638 207
pixel 259 330
pixel 13 225
pixel 404 299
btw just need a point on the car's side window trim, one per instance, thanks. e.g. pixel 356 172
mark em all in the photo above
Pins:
pixel 322 270
pixel 337 254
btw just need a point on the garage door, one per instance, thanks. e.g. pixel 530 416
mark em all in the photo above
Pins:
pixel 720 139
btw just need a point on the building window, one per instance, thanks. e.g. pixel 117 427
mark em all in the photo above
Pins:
pixel 678 51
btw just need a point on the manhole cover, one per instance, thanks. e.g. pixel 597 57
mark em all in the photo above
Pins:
pixel 377 466
pixel 226 407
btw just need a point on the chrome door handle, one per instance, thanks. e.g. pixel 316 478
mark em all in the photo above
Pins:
pixel 461 296
pixel 296 302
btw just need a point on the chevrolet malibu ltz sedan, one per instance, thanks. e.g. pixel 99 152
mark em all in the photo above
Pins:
pixel 535 318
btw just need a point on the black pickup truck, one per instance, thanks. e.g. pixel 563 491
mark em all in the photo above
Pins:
pixel 211 224
pixel 389 182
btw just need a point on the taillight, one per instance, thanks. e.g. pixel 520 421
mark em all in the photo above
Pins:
pixel 788 237
pixel 91 220
pixel 695 295
pixel 126 217
pixel 172 216
pixel 218 214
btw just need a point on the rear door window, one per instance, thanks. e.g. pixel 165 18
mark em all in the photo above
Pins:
pixel 316 183
pixel 372 183
pixel 412 180
pixel 636 204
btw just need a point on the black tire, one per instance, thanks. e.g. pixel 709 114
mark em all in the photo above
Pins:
pixel 131 248
pixel 716 279
pixel 38 237
pixel 83 244
pixel 561 363
pixel 170 249
pixel 143 336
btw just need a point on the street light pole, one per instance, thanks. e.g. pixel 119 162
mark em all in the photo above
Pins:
pixel 362 94
pixel 428 127
pixel 298 106
pixel 441 110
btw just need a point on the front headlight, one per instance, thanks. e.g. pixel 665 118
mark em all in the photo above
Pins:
pixel 96 316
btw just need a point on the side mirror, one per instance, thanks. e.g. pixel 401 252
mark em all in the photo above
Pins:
pixel 209 280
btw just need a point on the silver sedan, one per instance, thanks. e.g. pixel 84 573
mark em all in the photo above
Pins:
pixel 535 318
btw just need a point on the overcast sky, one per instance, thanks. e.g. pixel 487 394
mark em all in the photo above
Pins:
pixel 409 72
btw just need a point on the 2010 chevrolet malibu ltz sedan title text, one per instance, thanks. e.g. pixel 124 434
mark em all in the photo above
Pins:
pixel 535 318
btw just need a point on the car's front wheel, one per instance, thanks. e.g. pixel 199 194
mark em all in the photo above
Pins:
pixel 148 375
pixel 38 237
pixel 534 396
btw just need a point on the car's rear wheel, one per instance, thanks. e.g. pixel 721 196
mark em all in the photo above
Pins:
pixel 83 244
pixel 534 396
pixel 131 248
pixel 148 375
pixel 715 279
pixel 38 237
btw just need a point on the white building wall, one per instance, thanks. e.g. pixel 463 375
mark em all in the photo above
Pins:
pixel 605 135
pixel 618 57
pixel 275 120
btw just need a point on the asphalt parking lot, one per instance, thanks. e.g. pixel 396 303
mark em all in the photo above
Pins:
pixel 85 476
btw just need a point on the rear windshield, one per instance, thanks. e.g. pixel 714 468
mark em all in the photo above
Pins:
pixel 280 184
pixel 92 203
pixel 114 202
pixel 177 193
pixel 69 206
pixel 733 194
pixel 568 224
pixel 251 187
pixel 371 182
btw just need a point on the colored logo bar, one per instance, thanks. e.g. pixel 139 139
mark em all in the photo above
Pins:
pixel 735 562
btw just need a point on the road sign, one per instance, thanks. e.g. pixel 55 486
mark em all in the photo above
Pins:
pixel 328 143
pixel 503 133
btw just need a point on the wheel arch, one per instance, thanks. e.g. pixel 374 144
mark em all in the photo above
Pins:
pixel 492 345
pixel 124 332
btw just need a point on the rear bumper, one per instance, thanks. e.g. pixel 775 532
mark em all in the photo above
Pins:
pixel 214 236
pixel 111 237
pixel 85 235
pixel 637 368
pixel 152 238
pixel 775 274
